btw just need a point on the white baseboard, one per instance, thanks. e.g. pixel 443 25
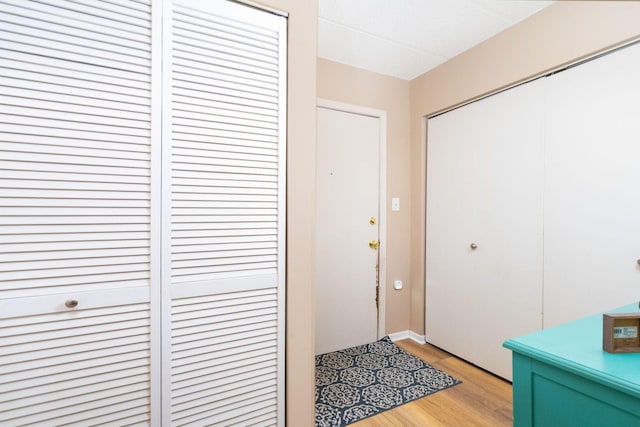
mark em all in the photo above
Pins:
pixel 407 335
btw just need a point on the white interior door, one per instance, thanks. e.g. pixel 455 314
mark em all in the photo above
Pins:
pixel 348 168
pixel 592 174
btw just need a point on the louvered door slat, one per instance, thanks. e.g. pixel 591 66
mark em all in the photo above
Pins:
pixel 43 82
pixel 227 412
pixel 62 38
pixel 62 147
pixel 241 386
pixel 134 325
pixel 86 410
pixel 193 389
pixel 103 17
pixel 70 98
pixel 226 328
pixel 257 418
pixel 231 237
pixel 28 243
pixel 189 140
pixel 29 161
pixel 267 96
pixel 210 30
pixel 60 25
pixel 244 87
pixel 244 171
pixel 77 117
pixel 217 114
pixel 37 47
pixel 55 132
pixel 45 15
pixel 124 417
pixel 88 375
pixel 48 364
pixel 212 97
pixel 95 224
pixel 235 110
pixel 52 243
pixel 48 120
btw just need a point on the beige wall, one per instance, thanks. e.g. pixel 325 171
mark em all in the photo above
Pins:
pixel 342 83
pixel 557 35
pixel 301 161
pixel 560 34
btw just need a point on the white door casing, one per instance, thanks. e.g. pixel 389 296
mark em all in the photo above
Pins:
pixel 350 191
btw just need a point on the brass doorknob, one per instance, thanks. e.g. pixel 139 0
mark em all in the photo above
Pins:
pixel 374 244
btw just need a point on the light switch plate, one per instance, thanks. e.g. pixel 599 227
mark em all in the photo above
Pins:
pixel 395 204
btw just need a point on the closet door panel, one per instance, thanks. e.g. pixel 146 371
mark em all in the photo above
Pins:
pixel 484 226
pixel 225 285
pixel 451 227
pixel 75 208
pixel 509 220
pixel 591 192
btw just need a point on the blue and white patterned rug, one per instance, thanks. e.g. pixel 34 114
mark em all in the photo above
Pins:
pixel 366 380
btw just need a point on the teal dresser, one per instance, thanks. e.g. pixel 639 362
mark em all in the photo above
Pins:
pixel 563 378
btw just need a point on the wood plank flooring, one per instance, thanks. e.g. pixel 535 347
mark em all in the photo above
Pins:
pixel 482 400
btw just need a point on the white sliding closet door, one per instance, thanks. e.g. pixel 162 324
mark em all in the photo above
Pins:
pixel 592 203
pixel 224 206
pixel 484 226
pixel 75 212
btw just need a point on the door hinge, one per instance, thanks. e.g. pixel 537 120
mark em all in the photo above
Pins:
pixel 377 297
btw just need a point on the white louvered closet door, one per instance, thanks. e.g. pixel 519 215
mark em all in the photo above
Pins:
pixel 75 148
pixel 225 207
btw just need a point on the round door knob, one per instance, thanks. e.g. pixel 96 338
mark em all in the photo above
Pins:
pixel 71 303
pixel 473 246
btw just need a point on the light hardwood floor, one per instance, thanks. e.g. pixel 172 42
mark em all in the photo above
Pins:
pixel 481 400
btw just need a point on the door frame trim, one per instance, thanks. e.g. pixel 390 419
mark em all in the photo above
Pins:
pixel 382 197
